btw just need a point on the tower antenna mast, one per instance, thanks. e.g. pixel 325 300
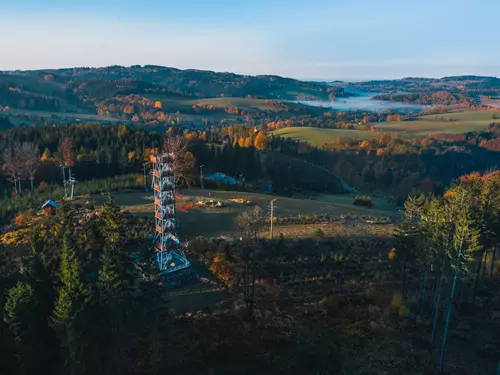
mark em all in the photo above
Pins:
pixel 169 253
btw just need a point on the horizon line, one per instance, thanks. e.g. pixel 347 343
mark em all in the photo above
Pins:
pixel 304 79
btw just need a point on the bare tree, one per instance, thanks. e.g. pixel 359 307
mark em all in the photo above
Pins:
pixel 17 166
pixel 184 163
pixel 66 150
pixel 250 222
pixel 11 165
pixel 30 158
pixel 68 153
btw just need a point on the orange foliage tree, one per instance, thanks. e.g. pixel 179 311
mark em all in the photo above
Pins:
pixel 260 142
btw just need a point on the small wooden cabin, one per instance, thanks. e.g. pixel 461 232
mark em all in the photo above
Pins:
pixel 49 207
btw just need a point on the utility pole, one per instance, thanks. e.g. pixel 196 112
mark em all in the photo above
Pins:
pixel 272 216
pixel 144 165
pixel 63 167
pixel 201 176
pixel 72 182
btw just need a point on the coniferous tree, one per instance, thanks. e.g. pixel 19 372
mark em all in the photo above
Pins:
pixel 112 229
pixel 466 242
pixel 115 276
pixel 69 306
pixel 20 316
pixel 37 268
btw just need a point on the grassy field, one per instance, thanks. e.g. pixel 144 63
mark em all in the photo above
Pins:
pixel 68 116
pixel 174 103
pixel 458 122
pixel 350 230
pixel 379 203
pixel 318 136
pixel 234 102
pixel 214 222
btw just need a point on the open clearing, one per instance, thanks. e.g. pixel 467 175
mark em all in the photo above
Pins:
pixel 178 103
pixel 457 122
pixel 214 222
pixel 173 104
pixel 318 136
pixel 347 230
pixel 68 116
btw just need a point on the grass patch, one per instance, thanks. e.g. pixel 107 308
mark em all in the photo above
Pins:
pixel 198 221
pixel 457 122
pixel 235 102
pixel 63 116
pixel 379 203
pixel 318 136
pixel 352 229
pixel 171 102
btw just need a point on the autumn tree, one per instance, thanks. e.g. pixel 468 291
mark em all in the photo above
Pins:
pixel 66 149
pixel 261 142
pixel 184 163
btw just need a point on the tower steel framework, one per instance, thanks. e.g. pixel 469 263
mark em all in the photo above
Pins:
pixel 169 253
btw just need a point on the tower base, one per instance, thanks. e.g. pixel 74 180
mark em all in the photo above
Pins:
pixel 171 261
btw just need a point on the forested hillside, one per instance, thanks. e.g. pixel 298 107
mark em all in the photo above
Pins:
pixel 150 95
pixel 474 85
pixel 435 98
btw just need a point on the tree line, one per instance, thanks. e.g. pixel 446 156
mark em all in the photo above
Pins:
pixel 451 243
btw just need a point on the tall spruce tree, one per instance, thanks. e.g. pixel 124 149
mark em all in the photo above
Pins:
pixel 466 242
pixel 69 307
pixel 20 316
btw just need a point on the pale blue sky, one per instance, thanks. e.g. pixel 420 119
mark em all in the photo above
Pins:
pixel 314 39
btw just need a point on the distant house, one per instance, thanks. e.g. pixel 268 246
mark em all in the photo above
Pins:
pixel 50 207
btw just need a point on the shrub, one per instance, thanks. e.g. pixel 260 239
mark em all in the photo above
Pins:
pixel 397 301
pixel 20 220
pixel 319 233
pixel 363 200
pixel 392 254
pixel 403 312
pixel 184 207
pixel 331 303
pixel 198 247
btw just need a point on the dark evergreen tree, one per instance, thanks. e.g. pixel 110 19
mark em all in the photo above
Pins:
pixel 20 316
pixel 69 308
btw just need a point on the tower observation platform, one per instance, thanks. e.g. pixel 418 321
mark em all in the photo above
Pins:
pixel 169 251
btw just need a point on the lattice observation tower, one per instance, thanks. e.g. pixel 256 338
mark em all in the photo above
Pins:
pixel 169 251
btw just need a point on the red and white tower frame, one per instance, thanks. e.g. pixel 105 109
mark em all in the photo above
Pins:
pixel 169 254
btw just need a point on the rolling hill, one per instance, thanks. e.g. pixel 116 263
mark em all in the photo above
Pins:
pixel 118 93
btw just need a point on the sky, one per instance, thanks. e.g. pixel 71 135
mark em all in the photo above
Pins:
pixel 305 39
